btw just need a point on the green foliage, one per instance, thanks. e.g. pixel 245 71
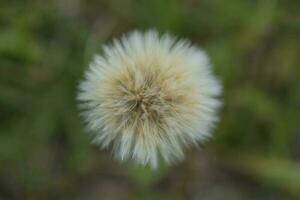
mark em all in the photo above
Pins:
pixel 45 47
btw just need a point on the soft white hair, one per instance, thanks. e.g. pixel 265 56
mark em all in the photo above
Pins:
pixel 149 96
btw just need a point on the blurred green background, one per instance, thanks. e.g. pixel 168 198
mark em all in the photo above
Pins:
pixel 45 46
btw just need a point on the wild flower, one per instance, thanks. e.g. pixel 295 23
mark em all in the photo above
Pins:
pixel 149 96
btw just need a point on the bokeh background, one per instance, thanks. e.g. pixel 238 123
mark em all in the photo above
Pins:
pixel 45 46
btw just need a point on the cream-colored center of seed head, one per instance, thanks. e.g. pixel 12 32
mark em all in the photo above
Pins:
pixel 147 95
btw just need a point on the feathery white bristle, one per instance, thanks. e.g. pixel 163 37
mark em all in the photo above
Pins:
pixel 149 96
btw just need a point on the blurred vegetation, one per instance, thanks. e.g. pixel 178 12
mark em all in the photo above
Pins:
pixel 46 45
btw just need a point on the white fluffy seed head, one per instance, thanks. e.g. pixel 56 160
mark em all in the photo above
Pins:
pixel 149 96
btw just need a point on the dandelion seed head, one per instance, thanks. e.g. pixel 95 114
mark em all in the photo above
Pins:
pixel 149 96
